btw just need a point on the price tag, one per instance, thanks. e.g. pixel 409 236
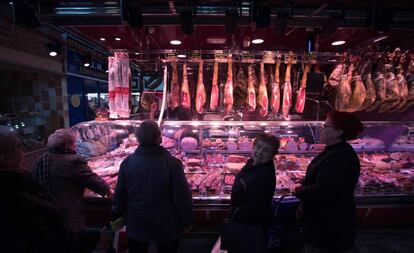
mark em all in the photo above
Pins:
pixel 195 56
pixel 310 58
pixel 220 57
pixel 290 58
pixel 269 57
pixel 247 58
pixel 172 57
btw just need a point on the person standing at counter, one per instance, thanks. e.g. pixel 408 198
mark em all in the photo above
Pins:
pixel 153 194
pixel 66 175
pixel 327 193
pixel 252 194
pixel 31 220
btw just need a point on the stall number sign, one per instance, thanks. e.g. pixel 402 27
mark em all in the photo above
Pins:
pixel 195 56
pixel 248 58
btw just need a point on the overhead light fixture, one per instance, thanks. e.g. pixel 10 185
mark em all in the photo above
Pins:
pixel 257 41
pixel 281 23
pixel 53 48
pixel 87 61
pixel 310 41
pixel 338 42
pixel 216 40
pixel 175 42
pixel 136 53
pixel 380 39
pixel 181 56
pixel 263 16
pixel 117 38
pixel 230 23
pixel 186 19
pixel 102 39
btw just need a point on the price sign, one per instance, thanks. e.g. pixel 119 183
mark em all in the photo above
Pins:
pixel 311 58
pixel 248 58
pixel 290 58
pixel 269 57
pixel 195 56
pixel 220 57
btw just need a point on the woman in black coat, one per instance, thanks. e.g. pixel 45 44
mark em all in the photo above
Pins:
pixel 252 192
pixel 327 193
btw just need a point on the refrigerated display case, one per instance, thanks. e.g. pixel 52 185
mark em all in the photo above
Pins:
pixel 213 152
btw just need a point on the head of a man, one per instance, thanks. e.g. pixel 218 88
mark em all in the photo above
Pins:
pixel 11 150
pixel 62 139
pixel 149 134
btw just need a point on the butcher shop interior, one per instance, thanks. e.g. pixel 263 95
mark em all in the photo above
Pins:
pixel 213 75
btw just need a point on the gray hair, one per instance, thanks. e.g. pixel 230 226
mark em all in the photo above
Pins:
pixel 60 138
pixel 148 133
pixel 9 141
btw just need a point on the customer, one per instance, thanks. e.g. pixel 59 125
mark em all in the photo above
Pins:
pixel 66 175
pixel 327 193
pixel 253 191
pixel 153 193
pixel 31 220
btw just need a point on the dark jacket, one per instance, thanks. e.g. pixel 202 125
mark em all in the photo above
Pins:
pixel 328 200
pixel 153 191
pixel 31 220
pixel 252 194
pixel 69 175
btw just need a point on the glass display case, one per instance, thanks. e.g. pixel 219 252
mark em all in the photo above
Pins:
pixel 213 152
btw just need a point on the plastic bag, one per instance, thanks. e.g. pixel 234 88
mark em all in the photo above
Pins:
pixel 216 248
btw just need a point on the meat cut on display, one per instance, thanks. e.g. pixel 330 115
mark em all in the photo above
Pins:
pixel 262 98
pixel 214 97
pixel 119 78
pixel 185 90
pixel 228 88
pixel 200 91
pixel 175 87
pixel 251 91
pixel 275 89
pixel 287 92
pixel 301 96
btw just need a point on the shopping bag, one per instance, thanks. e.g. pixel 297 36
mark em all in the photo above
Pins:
pixel 216 248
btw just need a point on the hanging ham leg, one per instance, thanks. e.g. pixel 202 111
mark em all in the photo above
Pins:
pixel 410 83
pixel 380 87
pixel 369 85
pixel 359 92
pixel 392 93
pixel 240 91
pixel 330 88
pixel 301 96
pixel 287 93
pixel 185 90
pixel 201 91
pixel 228 88
pixel 111 88
pixel 263 100
pixel 402 83
pixel 275 94
pixel 344 92
pixel 175 87
pixel 251 92
pixel 214 98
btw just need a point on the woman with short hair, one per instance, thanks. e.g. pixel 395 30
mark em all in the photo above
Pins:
pixel 327 193
pixel 66 175
pixel 252 195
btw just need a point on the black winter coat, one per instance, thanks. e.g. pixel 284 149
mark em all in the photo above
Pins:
pixel 327 194
pixel 154 193
pixel 252 194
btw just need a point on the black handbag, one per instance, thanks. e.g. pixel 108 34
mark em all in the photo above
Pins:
pixel 237 236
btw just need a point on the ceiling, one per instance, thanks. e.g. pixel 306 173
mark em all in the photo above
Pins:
pixel 101 18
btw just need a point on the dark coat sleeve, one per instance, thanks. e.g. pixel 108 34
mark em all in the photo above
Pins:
pixel 119 200
pixel 181 194
pixel 257 200
pixel 83 175
pixel 333 174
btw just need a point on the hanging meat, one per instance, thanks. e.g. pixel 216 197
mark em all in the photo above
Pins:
pixel 369 86
pixel 214 98
pixel 331 86
pixel 111 87
pixel 410 83
pixel 175 87
pixel 240 91
pixel 301 96
pixel 287 92
pixel 402 83
pixel 251 92
pixel 263 100
pixel 185 90
pixel 359 92
pixel 344 91
pixel 392 96
pixel 380 85
pixel 228 88
pixel 200 91
pixel 275 88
